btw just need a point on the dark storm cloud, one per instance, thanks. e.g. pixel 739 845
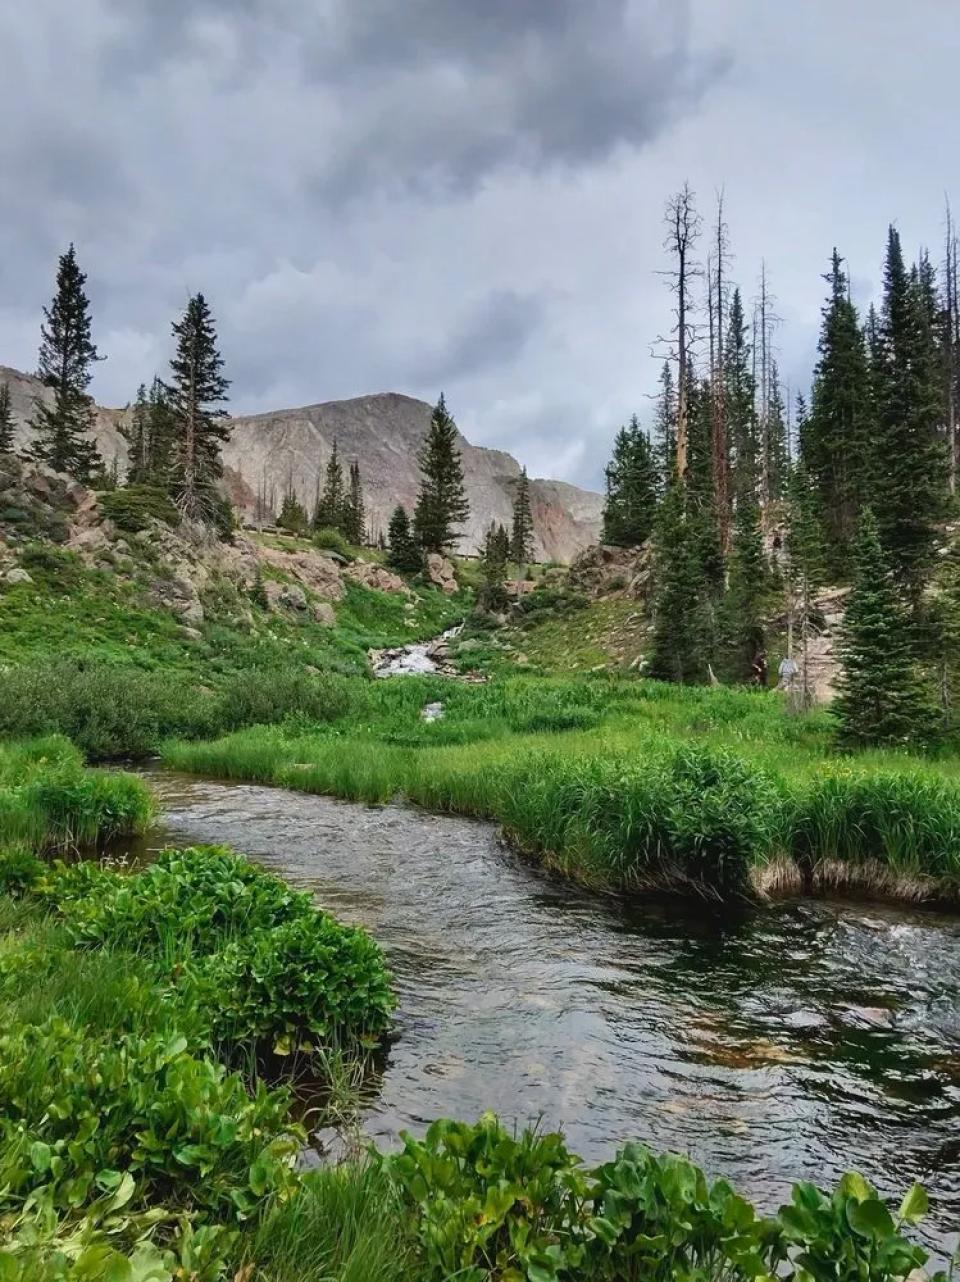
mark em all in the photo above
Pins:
pixel 492 334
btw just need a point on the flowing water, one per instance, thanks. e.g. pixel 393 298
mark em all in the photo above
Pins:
pixel 792 1043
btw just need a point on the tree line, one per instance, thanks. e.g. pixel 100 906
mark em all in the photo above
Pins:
pixel 176 427
pixel 753 505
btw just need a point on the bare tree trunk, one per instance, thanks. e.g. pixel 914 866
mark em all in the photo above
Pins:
pixel 718 422
pixel 189 499
pixel 683 230
pixel 953 348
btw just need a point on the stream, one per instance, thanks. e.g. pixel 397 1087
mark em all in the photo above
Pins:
pixel 790 1043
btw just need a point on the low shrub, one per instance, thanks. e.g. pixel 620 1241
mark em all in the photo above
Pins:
pixel 20 871
pixel 329 540
pixel 260 696
pixel 133 507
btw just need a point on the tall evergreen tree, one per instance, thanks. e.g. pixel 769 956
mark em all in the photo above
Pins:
pixel 404 554
pixel 880 699
pixel 776 440
pixel 354 514
pixel 198 424
pixel 836 439
pixel 496 550
pixel 944 620
pixel 67 351
pixel 681 627
pixel 329 511
pixel 911 486
pixel 442 502
pixel 293 515
pixel 743 625
pixel 631 502
pixel 665 428
pixel 740 404
pixel 806 570
pixel 521 538
pixel 136 433
pixel 160 435
pixel 6 420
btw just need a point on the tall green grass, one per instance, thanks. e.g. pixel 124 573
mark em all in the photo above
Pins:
pixel 50 800
pixel 629 784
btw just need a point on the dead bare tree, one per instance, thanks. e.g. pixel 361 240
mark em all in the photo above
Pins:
pixel 719 449
pixel 766 320
pixel 683 230
pixel 952 346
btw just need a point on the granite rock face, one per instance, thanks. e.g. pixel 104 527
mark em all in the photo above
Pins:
pixel 268 454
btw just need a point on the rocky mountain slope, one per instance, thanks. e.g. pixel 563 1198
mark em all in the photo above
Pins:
pixel 269 454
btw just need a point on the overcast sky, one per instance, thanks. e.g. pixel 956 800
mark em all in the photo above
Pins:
pixel 412 195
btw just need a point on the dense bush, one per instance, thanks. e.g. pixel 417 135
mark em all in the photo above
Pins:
pixel 329 540
pixel 260 696
pixel 132 507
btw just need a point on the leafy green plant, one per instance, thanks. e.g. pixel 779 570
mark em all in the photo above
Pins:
pixel 494 1205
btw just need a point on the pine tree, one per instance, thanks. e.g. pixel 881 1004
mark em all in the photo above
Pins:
pixel 136 433
pixel 67 351
pixel 911 488
pixel 806 570
pixel 740 404
pixel 631 502
pixel 521 539
pixel 329 511
pixel 836 437
pixel 496 550
pixel 160 436
pixel 944 620
pixel 258 591
pixel 665 429
pixel 442 502
pixel 744 605
pixel 776 440
pixel 404 555
pixel 6 420
pixel 354 521
pixel 198 425
pixel 880 698
pixel 681 629
pixel 293 515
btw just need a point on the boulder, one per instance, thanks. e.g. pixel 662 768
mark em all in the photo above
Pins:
pixel 440 572
pixel 17 575
pixel 314 570
pixel 605 570
pixel 323 612
pixel 180 597
pixel 375 576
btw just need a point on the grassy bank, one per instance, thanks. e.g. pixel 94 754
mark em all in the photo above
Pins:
pixel 631 784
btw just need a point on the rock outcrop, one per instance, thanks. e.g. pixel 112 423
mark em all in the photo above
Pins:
pixel 607 571
pixel 268 454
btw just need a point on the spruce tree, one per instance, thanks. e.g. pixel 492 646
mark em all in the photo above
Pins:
pixel 63 429
pixel 496 549
pixel 806 569
pixel 6 420
pixel 354 515
pixel 521 539
pixel 665 429
pixel 632 483
pixel 681 628
pixel 911 487
pixel 160 436
pixel 944 621
pixel 777 443
pixel 136 433
pixel 329 511
pixel 293 515
pixel 836 436
pixel 740 403
pixel 403 553
pixel 880 698
pixel 744 605
pixel 198 425
pixel 442 502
